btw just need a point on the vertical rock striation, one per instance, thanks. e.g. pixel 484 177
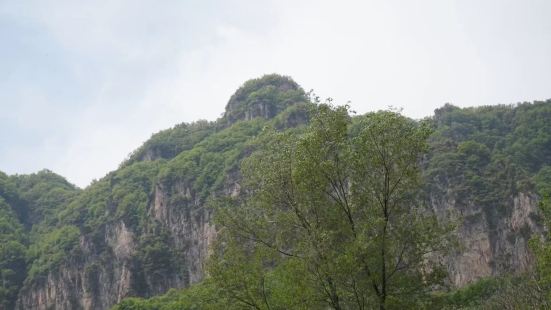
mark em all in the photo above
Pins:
pixel 484 250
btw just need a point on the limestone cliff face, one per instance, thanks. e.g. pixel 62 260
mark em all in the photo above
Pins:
pixel 191 229
pixel 489 246
pixel 104 272
pixel 87 281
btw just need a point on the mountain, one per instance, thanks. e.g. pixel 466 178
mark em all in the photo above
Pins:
pixel 146 227
pixel 143 228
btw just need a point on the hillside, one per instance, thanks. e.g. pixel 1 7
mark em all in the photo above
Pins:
pixel 484 166
pixel 143 228
pixel 146 227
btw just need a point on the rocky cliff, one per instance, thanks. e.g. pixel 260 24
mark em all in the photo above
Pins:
pixel 97 278
pixel 480 174
pixel 485 251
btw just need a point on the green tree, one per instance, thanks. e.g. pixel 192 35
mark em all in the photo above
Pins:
pixel 331 218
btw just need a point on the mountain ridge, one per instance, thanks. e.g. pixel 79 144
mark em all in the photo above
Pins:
pixel 146 227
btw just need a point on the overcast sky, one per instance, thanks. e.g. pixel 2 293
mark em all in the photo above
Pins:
pixel 83 83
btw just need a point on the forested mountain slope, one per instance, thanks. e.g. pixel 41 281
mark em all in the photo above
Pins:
pixel 484 169
pixel 29 205
pixel 480 175
pixel 146 227
pixel 143 228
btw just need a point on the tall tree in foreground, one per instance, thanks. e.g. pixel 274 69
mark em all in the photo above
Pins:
pixel 331 217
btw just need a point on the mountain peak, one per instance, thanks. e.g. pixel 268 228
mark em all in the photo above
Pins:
pixel 263 97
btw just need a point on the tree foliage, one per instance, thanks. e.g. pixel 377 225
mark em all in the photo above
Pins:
pixel 331 218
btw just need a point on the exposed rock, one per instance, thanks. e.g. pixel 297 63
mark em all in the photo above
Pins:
pixel 190 228
pixel 89 281
pixel 103 277
pixel 485 252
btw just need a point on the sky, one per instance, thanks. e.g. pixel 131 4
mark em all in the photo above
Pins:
pixel 84 83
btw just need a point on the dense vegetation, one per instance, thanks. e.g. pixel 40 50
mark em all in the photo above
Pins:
pixel 482 153
pixel 331 219
pixel 266 96
pixel 29 208
pixel 484 156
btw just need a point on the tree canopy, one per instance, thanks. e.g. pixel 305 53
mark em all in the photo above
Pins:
pixel 331 218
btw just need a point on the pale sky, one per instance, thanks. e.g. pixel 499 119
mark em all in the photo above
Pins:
pixel 83 83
